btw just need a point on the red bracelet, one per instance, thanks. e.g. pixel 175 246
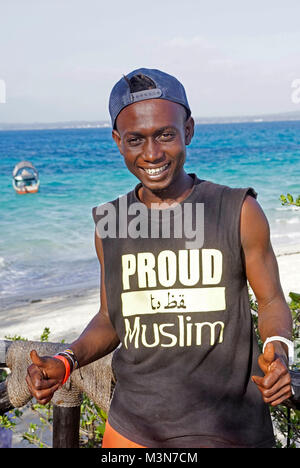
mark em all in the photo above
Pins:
pixel 67 366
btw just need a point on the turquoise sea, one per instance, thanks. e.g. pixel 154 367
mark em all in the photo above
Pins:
pixel 47 239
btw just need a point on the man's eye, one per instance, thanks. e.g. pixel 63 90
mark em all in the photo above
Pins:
pixel 134 141
pixel 167 136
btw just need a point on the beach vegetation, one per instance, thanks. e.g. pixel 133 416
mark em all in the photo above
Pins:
pixel 288 200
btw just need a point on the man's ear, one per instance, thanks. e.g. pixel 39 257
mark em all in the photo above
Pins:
pixel 116 136
pixel 189 130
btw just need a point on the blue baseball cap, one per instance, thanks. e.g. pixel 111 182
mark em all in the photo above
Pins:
pixel 166 87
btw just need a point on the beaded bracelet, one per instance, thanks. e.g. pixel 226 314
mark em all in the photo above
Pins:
pixel 70 353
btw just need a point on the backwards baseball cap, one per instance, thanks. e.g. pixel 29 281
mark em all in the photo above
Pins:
pixel 166 87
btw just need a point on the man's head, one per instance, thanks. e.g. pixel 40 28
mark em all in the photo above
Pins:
pixel 152 125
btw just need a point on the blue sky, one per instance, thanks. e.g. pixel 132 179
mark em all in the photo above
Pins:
pixel 60 58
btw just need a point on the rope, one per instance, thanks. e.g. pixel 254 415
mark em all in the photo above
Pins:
pixel 96 379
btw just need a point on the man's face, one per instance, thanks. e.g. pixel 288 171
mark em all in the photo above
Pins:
pixel 152 136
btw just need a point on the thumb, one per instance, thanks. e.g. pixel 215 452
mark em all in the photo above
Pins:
pixel 36 359
pixel 266 359
pixel 269 353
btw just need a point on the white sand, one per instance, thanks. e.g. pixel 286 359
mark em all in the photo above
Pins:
pixel 66 317
pixel 288 259
pixel 289 271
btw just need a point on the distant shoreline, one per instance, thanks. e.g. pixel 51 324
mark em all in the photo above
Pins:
pixel 82 124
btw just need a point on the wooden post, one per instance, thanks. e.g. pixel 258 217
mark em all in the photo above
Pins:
pixel 66 421
pixel 5 404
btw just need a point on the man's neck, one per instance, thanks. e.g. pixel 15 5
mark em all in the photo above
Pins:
pixel 176 192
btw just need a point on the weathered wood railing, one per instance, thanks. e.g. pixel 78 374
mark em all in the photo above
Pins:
pixel 95 380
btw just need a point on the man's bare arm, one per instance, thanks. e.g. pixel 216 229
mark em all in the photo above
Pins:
pixel 99 337
pixel 274 316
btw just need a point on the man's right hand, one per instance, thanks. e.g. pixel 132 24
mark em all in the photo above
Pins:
pixel 44 376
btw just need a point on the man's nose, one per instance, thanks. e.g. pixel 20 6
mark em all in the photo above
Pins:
pixel 152 152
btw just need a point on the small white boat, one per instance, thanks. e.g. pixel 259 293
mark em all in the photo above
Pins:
pixel 25 178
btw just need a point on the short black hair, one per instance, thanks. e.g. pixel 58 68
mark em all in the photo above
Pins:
pixel 139 82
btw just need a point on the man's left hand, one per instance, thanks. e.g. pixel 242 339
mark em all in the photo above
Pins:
pixel 275 386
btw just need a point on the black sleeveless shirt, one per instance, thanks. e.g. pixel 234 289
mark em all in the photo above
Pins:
pixel 181 311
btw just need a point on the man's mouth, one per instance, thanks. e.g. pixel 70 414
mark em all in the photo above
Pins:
pixel 156 171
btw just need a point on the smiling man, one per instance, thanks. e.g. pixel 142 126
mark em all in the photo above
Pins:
pixel 186 359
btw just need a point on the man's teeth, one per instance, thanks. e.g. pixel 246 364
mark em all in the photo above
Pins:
pixel 156 171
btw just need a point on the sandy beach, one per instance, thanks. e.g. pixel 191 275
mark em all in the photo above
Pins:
pixel 289 270
pixel 65 315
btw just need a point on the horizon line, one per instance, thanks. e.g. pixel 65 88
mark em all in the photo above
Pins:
pixel 105 123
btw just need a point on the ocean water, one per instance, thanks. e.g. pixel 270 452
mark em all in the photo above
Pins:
pixel 47 239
